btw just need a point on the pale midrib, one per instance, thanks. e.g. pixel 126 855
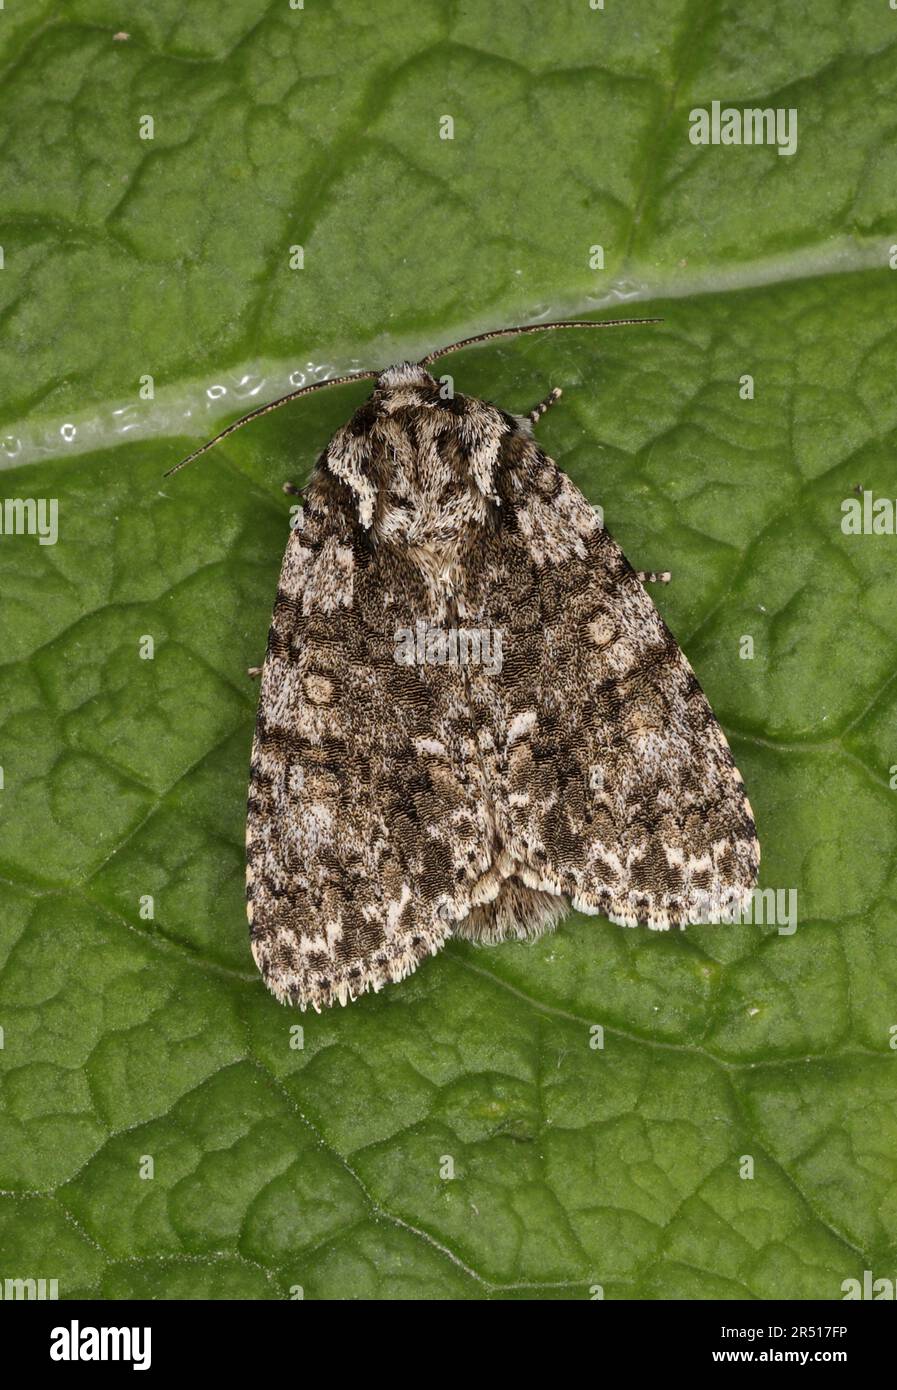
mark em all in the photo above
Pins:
pixel 196 409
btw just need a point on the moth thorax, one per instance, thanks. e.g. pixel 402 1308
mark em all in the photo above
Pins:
pixel 438 565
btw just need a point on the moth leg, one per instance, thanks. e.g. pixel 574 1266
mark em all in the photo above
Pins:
pixel 539 410
pixel 293 491
pixel 653 576
pixel 253 672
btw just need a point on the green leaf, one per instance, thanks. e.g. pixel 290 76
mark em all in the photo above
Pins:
pixel 129 1037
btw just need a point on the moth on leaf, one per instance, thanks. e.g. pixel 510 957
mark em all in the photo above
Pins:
pixel 471 715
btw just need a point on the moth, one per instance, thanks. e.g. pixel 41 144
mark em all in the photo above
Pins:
pixel 471 716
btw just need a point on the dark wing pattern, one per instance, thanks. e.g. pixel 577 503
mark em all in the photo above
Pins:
pixel 612 781
pixel 557 749
pixel 368 822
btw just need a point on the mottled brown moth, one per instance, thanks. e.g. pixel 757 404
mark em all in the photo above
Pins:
pixel 471 716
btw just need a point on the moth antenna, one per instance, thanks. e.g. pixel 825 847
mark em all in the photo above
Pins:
pixel 430 357
pixel 534 328
pixel 263 410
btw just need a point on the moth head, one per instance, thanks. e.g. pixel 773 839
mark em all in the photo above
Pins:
pixel 405 374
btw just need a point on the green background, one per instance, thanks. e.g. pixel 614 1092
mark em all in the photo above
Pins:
pixel 277 1167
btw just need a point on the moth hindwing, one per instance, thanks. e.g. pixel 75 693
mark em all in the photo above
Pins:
pixel 471 715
